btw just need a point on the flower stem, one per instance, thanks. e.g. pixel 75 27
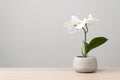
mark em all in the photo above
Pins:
pixel 85 40
pixel 85 34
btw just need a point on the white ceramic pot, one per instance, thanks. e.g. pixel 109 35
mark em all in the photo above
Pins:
pixel 85 64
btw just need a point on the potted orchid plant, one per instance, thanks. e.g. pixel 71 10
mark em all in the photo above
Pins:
pixel 85 63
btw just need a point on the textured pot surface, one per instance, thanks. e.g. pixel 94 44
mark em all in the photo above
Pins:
pixel 85 64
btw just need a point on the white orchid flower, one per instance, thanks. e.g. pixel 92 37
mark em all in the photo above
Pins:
pixel 71 24
pixel 89 21
pixel 76 24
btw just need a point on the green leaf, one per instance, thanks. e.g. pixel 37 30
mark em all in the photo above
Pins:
pixel 96 42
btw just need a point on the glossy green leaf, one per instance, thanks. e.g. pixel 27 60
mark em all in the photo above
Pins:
pixel 96 42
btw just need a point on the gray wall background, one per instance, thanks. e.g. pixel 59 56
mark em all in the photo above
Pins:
pixel 32 32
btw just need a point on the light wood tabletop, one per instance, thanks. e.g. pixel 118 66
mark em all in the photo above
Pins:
pixel 57 74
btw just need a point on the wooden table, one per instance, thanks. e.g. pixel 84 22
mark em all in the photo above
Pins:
pixel 57 74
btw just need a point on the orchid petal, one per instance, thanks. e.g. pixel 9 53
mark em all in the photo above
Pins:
pixel 71 30
pixel 75 19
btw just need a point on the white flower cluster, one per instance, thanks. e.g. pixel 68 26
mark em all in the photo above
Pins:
pixel 76 24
